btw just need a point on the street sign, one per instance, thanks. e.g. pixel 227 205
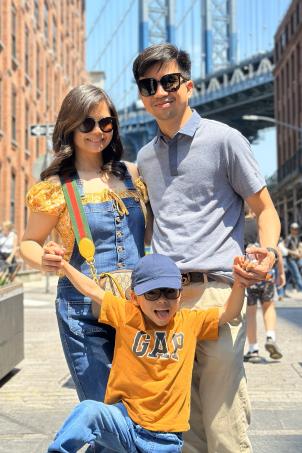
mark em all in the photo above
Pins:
pixel 38 130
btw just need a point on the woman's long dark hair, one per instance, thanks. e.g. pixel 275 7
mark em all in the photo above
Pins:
pixel 74 109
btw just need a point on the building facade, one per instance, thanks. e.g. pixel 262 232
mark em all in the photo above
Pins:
pixel 41 59
pixel 287 192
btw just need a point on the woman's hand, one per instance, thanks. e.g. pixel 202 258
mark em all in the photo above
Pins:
pixel 52 258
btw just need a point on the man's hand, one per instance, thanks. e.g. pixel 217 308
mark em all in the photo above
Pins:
pixel 239 261
pixel 52 258
pixel 253 272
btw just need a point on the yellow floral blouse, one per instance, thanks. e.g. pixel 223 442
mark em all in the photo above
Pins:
pixel 47 197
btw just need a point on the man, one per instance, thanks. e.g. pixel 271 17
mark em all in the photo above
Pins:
pixel 197 173
pixel 294 256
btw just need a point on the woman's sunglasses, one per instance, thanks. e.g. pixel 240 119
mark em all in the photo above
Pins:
pixel 169 82
pixel 169 293
pixel 106 124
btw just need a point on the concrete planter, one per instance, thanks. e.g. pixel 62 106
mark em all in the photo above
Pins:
pixel 11 327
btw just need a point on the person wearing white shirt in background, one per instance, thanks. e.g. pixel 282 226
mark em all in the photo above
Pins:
pixel 8 246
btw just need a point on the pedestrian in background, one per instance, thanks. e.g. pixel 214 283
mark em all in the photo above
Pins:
pixel 264 292
pixel 293 248
pixel 8 247
pixel 198 172
pixel 87 149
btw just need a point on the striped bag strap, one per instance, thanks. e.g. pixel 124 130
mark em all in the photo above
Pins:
pixel 79 222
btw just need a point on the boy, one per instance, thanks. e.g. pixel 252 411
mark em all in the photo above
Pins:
pixel 147 402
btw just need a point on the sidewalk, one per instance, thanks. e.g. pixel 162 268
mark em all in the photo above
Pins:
pixel 275 387
pixel 38 395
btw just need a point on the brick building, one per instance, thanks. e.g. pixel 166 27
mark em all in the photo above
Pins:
pixel 41 59
pixel 287 193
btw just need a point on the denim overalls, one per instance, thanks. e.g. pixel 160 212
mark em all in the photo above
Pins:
pixel 119 243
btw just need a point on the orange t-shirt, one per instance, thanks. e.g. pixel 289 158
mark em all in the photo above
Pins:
pixel 152 369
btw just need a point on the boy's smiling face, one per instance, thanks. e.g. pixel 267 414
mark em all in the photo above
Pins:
pixel 159 311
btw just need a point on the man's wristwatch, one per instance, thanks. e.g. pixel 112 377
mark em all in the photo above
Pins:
pixel 274 251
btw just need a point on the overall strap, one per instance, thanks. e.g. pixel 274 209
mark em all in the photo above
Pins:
pixel 81 229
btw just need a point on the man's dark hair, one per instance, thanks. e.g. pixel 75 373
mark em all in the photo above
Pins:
pixel 161 54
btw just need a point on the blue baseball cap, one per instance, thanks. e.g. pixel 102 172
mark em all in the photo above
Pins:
pixel 155 271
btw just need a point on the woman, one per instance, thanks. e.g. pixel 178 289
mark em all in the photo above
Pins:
pixel 87 147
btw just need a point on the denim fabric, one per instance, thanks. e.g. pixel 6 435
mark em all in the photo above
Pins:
pixel 293 266
pixel 111 426
pixel 88 345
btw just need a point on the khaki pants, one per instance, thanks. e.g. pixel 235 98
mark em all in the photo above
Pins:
pixel 220 409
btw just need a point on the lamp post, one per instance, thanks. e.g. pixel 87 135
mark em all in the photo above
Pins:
pixel 272 120
pixel 289 126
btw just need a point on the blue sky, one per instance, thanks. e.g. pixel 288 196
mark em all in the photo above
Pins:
pixel 112 44
pixel 266 151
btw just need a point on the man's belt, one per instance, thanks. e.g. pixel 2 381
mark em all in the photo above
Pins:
pixel 190 277
pixel 202 277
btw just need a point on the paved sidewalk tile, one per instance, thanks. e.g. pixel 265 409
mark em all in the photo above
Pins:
pixel 275 387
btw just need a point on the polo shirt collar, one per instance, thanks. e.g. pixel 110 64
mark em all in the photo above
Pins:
pixel 189 128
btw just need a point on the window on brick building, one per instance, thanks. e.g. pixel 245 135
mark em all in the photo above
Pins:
pixel 45 20
pixel 38 68
pixel 56 93
pixel 0 27
pixel 292 25
pixel 13 32
pixel 12 197
pixel 14 115
pixel 67 61
pixel 37 140
pixel 47 85
pixel 26 50
pixel 36 12
pixel 1 104
pixel 299 87
pixel 25 207
pixel 54 35
pixel 27 120
pixel 297 15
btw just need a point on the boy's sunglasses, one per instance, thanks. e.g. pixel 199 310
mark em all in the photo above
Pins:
pixel 169 82
pixel 106 124
pixel 169 293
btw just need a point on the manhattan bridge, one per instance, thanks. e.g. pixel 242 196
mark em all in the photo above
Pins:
pixel 230 43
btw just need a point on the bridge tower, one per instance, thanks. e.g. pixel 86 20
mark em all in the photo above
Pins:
pixel 219 37
pixel 156 22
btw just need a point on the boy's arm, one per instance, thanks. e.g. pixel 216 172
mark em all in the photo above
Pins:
pixel 84 284
pixel 232 307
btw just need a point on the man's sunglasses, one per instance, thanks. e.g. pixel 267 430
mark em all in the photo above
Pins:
pixel 168 293
pixel 169 82
pixel 106 124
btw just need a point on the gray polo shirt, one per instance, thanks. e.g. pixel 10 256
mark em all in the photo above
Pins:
pixel 197 182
